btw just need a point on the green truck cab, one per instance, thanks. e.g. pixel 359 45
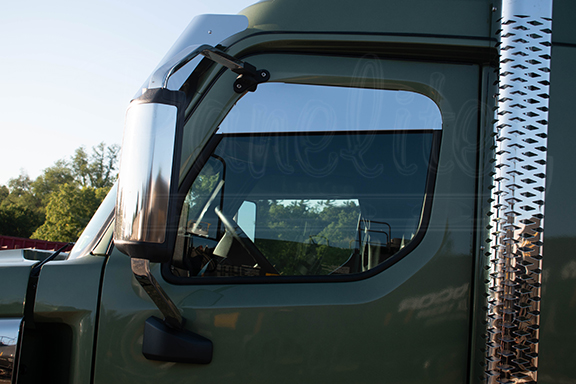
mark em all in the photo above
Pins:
pixel 326 192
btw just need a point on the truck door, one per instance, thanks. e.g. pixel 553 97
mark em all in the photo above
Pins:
pixel 328 231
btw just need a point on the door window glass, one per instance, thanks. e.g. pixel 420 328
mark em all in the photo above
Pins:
pixel 309 180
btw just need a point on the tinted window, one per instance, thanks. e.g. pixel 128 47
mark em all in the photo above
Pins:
pixel 334 177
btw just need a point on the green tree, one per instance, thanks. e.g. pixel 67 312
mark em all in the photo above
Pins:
pixel 339 223
pixel 4 192
pixel 51 179
pixel 68 212
pixel 97 169
pixel 19 221
pixel 21 212
pixel 21 192
pixel 64 197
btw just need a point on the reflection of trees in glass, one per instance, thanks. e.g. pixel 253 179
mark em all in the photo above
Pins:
pixel 200 193
pixel 306 237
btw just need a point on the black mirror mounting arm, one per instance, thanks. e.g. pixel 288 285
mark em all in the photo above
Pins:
pixel 164 340
pixel 248 76
pixel 168 340
pixel 171 313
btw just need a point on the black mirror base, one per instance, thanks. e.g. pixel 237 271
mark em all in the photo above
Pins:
pixel 164 343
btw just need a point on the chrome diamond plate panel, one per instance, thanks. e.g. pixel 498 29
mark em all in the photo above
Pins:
pixel 517 223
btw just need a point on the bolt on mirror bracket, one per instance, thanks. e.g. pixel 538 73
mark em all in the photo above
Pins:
pixel 248 76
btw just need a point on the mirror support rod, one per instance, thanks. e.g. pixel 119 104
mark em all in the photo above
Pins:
pixel 248 76
pixel 172 316
pixel 168 340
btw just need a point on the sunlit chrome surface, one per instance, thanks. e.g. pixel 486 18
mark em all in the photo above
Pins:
pixel 9 338
pixel 141 270
pixel 203 29
pixel 518 195
pixel 146 164
pixel 160 77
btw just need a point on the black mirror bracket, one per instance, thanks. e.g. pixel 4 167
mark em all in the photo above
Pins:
pixel 168 340
pixel 171 313
pixel 248 76
pixel 246 82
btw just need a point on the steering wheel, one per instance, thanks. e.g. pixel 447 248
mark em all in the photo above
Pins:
pixel 246 242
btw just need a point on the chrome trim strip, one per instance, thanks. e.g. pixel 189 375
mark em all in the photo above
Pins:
pixel 518 196
pixel 172 315
pixel 160 77
pixel 9 348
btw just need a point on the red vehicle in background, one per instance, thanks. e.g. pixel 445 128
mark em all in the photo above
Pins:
pixel 11 242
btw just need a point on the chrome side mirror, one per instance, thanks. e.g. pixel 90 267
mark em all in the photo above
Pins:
pixel 150 154
pixel 146 214
pixel 148 175
pixel 146 206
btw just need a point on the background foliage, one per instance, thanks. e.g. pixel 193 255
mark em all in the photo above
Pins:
pixel 58 204
pixel 306 237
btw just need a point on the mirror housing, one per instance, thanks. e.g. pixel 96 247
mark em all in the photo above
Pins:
pixel 146 215
pixel 147 185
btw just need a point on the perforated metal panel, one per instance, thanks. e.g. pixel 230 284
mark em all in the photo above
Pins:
pixel 517 224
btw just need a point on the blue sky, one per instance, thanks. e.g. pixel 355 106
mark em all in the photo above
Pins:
pixel 71 67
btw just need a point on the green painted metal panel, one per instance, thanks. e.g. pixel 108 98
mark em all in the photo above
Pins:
pixel 563 22
pixel 60 342
pixel 469 18
pixel 410 323
pixel 14 274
